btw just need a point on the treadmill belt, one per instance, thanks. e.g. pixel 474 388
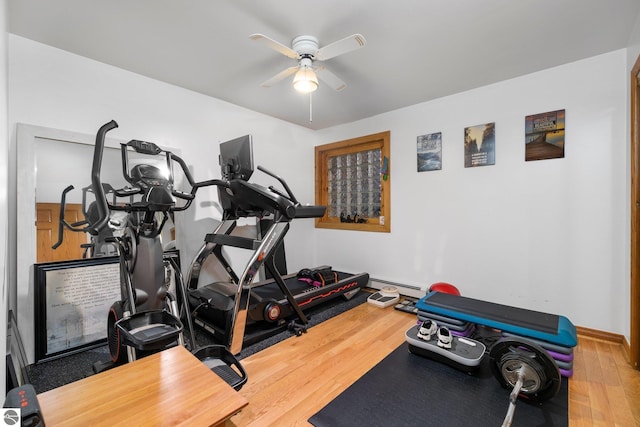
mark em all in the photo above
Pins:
pixel 520 317
pixel 270 289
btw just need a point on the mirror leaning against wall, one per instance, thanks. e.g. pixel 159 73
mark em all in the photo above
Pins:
pixel 48 162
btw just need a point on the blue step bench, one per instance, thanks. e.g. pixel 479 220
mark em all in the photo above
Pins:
pixel 526 323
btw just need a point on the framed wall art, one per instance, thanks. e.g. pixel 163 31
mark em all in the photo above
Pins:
pixel 544 136
pixel 480 145
pixel 429 152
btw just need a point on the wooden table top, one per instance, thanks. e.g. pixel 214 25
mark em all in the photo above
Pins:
pixel 169 388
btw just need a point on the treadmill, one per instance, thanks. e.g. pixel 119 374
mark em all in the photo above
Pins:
pixel 242 311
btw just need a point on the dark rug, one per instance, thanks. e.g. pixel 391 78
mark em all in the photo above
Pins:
pixel 405 389
pixel 51 374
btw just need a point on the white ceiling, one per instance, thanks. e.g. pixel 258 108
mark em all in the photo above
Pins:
pixel 417 50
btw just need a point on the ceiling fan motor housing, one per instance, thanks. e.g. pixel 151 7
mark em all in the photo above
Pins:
pixel 306 46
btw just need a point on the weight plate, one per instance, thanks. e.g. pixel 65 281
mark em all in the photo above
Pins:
pixel 541 374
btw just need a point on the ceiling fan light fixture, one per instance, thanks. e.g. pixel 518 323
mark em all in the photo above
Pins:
pixel 305 80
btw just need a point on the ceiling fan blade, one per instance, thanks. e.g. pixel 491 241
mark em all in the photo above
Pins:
pixel 280 76
pixel 353 42
pixel 272 44
pixel 329 78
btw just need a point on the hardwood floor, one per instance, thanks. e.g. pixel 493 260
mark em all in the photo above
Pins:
pixel 604 389
pixel 292 380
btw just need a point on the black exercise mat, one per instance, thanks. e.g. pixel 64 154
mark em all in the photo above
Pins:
pixel 405 389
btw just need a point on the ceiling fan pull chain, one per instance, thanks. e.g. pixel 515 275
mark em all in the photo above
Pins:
pixel 310 107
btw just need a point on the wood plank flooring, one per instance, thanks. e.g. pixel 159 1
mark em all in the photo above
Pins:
pixel 292 380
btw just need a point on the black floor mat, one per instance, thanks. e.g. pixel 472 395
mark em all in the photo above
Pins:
pixel 408 390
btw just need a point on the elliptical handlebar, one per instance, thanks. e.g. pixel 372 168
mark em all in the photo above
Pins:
pixel 62 222
pixel 96 183
pixel 194 185
pixel 194 188
pixel 210 182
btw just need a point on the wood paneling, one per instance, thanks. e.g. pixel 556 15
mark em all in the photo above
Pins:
pixel 47 222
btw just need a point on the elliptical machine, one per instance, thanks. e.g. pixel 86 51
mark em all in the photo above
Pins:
pixel 147 318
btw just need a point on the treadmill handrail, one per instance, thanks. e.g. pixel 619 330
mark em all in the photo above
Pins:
pixel 310 211
pixel 283 182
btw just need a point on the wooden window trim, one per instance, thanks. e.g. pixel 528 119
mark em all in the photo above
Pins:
pixel 380 140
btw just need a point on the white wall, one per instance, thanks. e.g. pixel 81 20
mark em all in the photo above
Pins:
pixel 633 47
pixel 4 191
pixel 546 235
pixel 52 88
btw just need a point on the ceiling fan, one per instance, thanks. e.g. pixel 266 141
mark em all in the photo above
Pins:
pixel 306 50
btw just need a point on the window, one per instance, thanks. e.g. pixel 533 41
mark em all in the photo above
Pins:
pixel 352 181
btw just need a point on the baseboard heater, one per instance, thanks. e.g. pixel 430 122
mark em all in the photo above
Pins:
pixel 406 290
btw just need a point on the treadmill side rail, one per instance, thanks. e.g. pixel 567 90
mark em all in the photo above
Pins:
pixel 270 241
